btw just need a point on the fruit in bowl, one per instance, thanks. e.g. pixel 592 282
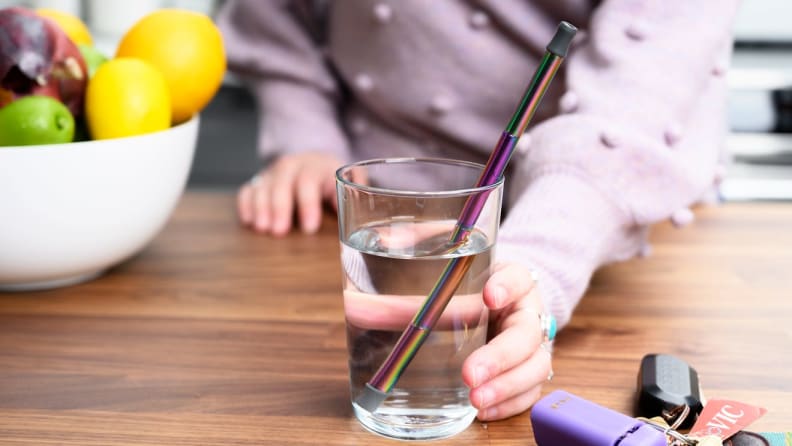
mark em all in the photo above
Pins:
pixel 72 211
pixel 193 68
pixel 38 58
pixel 170 59
pixel 35 120
pixel 95 151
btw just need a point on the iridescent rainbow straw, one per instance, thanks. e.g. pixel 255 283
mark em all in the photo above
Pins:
pixel 412 338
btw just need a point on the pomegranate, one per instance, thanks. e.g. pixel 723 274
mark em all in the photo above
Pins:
pixel 37 58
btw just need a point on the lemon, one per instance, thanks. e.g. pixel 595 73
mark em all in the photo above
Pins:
pixel 71 25
pixel 35 120
pixel 187 48
pixel 126 97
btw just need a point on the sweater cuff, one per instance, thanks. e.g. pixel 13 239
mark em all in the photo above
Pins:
pixel 563 228
pixel 296 118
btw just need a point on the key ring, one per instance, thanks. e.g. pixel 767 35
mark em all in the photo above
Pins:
pixel 678 414
pixel 670 432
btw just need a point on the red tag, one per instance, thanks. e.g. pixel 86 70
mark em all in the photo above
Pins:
pixel 725 418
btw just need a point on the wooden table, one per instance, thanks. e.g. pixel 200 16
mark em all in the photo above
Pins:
pixel 216 336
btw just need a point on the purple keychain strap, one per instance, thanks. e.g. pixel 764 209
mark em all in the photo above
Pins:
pixel 561 418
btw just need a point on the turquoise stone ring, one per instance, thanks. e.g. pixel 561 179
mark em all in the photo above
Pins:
pixel 549 326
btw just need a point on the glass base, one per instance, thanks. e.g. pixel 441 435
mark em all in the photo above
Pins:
pixel 409 424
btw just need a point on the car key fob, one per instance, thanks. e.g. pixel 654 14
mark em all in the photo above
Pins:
pixel 666 383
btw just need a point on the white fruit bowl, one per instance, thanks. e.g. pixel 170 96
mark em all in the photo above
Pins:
pixel 68 212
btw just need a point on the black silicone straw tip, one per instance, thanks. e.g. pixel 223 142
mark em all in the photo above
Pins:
pixel 562 38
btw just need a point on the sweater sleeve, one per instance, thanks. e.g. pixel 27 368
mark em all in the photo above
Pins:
pixel 643 120
pixel 270 45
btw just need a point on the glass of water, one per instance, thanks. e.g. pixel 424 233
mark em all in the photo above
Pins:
pixel 396 223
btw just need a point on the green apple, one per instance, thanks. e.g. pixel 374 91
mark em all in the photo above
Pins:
pixel 93 58
pixel 34 120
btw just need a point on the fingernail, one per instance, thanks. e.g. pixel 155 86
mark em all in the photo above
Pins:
pixel 310 225
pixel 485 397
pixel 280 226
pixel 246 218
pixel 487 414
pixel 499 295
pixel 481 376
pixel 261 224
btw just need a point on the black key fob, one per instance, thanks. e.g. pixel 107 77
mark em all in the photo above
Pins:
pixel 665 383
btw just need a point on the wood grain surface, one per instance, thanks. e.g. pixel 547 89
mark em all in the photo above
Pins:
pixel 216 336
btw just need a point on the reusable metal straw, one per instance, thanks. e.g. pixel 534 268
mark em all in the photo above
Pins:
pixel 378 387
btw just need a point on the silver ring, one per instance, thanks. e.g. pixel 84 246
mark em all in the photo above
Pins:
pixel 550 375
pixel 255 180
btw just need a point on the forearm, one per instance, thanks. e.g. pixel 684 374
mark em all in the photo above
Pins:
pixel 639 139
pixel 271 49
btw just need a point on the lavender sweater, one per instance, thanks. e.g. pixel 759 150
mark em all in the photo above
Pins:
pixel 629 133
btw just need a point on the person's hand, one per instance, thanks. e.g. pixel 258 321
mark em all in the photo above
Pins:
pixel 304 181
pixel 506 375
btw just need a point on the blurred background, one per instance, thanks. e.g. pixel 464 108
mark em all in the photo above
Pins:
pixel 760 103
pixel 760 111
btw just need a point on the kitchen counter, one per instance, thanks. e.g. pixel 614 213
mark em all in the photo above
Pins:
pixel 216 336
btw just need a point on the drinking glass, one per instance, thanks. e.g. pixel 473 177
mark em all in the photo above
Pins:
pixel 396 223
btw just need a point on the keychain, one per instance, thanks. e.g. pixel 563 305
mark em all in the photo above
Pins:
pixel 561 418
pixel 669 393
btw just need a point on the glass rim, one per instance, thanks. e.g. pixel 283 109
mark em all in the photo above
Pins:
pixel 411 193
